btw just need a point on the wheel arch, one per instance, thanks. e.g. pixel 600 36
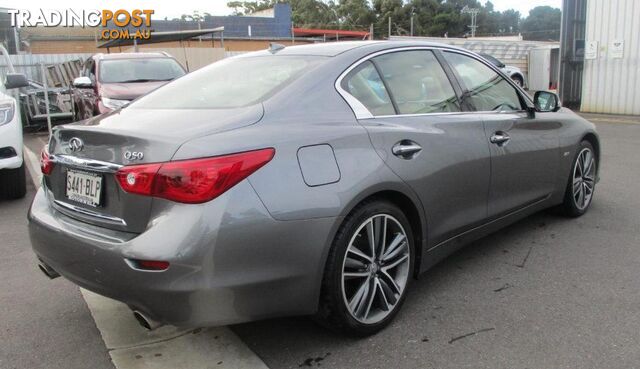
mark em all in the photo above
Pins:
pixel 413 210
pixel 595 142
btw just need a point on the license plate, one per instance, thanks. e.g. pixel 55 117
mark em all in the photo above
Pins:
pixel 84 187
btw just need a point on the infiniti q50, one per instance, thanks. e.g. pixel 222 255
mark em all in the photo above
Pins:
pixel 308 180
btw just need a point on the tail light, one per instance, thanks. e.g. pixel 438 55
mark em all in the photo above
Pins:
pixel 192 181
pixel 46 165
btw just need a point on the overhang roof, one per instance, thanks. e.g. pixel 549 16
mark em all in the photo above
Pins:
pixel 330 33
pixel 157 37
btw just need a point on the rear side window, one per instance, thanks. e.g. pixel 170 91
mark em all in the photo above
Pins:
pixel 364 84
pixel 486 89
pixel 417 82
pixel 230 83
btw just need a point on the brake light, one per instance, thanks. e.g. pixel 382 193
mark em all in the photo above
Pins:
pixel 46 165
pixel 152 265
pixel 192 181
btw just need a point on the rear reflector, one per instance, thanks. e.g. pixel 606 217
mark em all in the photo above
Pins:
pixel 192 181
pixel 46 165
pixel 155 265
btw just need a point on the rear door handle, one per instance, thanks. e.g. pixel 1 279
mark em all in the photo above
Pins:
pixel 500 138
pixel 406 149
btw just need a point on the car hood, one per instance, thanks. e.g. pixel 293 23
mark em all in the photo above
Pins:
pixel 128 91
pixel 509 70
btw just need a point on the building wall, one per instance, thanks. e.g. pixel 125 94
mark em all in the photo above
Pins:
pixel 89 46
pixel 610 83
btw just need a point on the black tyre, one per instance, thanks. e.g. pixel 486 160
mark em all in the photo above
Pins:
pixel 368 270
pixel 518 80
pixel 582 182
pixel 13 183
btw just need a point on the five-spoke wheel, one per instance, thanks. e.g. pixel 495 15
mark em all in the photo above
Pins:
pixel 368 270
pixel 375 268
pixel 582 181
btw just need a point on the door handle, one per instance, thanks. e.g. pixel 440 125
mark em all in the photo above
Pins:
pixel 406 149
pixel 500 138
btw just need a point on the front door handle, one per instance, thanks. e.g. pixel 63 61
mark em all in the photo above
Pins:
pixel 406 149
pixel 500 138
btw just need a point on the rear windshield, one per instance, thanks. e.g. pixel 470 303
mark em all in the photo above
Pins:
pixel 139 70
pixel 230 83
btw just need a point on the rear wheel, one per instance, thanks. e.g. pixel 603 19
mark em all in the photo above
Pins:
pixel 13 183
pixel 368 270
pixel 582 182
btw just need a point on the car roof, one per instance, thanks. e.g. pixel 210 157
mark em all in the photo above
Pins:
pixel 337 48
pixel 131 56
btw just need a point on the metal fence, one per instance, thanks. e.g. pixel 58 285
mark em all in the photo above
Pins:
pixel 29 64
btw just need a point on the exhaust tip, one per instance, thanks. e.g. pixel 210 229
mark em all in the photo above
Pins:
pixel 48 271
pixel 145 321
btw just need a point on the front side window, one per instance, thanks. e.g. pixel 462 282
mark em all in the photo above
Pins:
pixel 417 82
pixel 230 83
pixel 484 88
pixel 364 84
pixel 139 70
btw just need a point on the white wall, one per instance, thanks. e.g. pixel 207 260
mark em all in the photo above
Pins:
pixel 610 84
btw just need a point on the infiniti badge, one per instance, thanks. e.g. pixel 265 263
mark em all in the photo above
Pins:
pixel 76 144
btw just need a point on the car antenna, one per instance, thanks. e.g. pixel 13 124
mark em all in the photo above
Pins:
pixel 275 47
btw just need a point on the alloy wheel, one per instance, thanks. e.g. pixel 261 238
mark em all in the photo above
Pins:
pixel 584 173
pixel 375 269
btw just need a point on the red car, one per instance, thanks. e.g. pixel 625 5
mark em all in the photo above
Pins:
pixel 111 81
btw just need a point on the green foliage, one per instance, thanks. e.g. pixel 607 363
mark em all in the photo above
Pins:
pixel 430 17
pixel 542 24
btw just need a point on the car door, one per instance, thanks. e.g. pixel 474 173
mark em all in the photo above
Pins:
pixel 524 146
pixel 412 112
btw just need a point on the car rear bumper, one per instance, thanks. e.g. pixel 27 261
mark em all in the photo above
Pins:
pixel 230 261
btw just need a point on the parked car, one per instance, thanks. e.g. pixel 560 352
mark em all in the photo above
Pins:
pixel 111 81
pixel 13 182
pixel 316 179
pixel 514 73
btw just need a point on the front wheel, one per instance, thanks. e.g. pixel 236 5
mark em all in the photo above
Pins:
pixel 13 183
pixel 582 182
pixel 368 270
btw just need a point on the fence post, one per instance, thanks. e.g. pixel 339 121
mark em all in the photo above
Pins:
pixel 46 96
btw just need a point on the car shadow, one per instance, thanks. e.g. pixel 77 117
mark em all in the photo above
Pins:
pixel 311 343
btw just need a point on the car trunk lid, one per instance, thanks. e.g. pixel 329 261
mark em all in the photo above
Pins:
pixel 87 155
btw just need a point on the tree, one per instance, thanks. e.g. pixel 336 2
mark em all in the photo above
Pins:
pixel 542 24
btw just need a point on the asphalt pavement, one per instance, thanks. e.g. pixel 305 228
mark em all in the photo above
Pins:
pixel 547 292
pixel 43 323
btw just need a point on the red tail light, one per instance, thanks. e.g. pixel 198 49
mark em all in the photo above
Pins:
pixel 192 181
pixel 46 165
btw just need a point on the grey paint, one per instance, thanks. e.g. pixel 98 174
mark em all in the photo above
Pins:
pixel 259 250
pixel 318 165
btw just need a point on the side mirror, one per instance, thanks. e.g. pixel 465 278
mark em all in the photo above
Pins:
pixel 15 80
pixel 546 101
pixel 82 82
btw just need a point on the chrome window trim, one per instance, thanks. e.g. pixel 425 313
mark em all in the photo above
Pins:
pixel 90 213
pixel 86 164
pixel 361 112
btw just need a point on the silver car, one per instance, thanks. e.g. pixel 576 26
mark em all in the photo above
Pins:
pixel 309 180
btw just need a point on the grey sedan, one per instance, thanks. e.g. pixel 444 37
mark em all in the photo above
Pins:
pixel 309 180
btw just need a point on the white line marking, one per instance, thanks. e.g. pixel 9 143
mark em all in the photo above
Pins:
pixel 133 347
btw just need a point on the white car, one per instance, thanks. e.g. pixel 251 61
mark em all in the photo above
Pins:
pixel 514 73
pixel 13 184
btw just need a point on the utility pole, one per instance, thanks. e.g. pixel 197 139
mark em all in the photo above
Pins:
pixel 389 27
pixel 371 31
pixel 474 18
pixel 412 14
